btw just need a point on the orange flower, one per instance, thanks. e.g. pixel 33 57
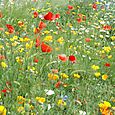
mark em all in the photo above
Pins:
pixel 104 77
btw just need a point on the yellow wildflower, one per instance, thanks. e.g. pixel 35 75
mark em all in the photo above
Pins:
pixel 19 60
pixel 97 74
pixel 113 38
pixel 63 75
pixel 20 99
pixel 94 67
pixel 46 32
pixel 52 76
pixel 4 65
pixel 48 39
pixel 76 76
pixel 40 99
pixel 61 102
pixel 20 109
pixel 60 40
pixel 104 108
pixel 107 49
pixel 104 77
pixel 2 110
pixel 110 56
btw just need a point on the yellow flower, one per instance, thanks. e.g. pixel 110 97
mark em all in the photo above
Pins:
pixel 20 99
pixel 104 108
pixel 63 75
pixel 20 109
pixel 15 37
pixel 52 76
pixel 7 33
pixel 97 74
pixel 113 38
pixel 2 110
pixel 110 56
pixel 61 102
pixel 107 49
pixel 29 45
pixel 76 76
pixel 60 40
pixel 94 67
pixel 46 32
pixel 14 43
pixel 4 65
pixel 48 39
pixel 40 99
pixel 1 46
pixel 19 60
pixel 104 77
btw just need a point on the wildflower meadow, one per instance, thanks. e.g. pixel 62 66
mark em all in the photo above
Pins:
pixel 57 57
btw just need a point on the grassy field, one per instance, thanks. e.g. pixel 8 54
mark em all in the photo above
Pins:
pixel 57 57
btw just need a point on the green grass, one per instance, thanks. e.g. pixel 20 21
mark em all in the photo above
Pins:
pixel 84 93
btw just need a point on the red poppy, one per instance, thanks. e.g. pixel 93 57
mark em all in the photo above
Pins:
pixel 35 14
pixel 1 15
pixel 80 15
pixel 107 64
pixel 79 20
pixel 10 28
pixel 68 12
pixel 107 27
pixel 37 42
pixel 48 16
pixel 36 60
pixel 1 29
pixel 4 91
pixel 41 25
pixel 2 57
pixel 87 39
pixel 70 7
pixel 45 48
pixel 72 58
pixel 94 6
pixel 57 85
pixel 56 16
pixel 62 57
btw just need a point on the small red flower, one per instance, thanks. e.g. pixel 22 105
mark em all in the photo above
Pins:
pixel 45 48
pixel 41 25
pixel 94 6
pixel 1 15
pixel 79 20
pixel 38 43
pixel 70 7
pixel 87 39
pixel 107 27
pixel 107 64
pixel 36 60
pixel 10 28
pixel 72 58
pixel 62 57
pixel 57 85
pixel 35 14
pixel 1 29
pixel 2 57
